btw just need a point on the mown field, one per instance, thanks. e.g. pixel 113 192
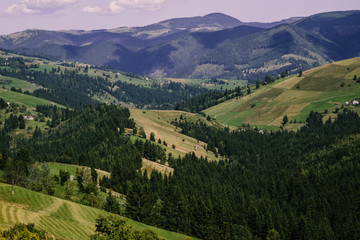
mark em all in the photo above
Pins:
pixel 60 218
pixel 159 122
pixel 321 89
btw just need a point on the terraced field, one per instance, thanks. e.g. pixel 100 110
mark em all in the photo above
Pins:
pixel 323 88
pixel 60 218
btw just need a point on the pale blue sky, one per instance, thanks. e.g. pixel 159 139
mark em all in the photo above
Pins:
pixel 19 15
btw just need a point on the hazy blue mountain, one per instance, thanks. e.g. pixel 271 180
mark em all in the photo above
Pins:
pixel 215 45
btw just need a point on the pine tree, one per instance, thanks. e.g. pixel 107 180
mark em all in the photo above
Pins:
pixel 152 137
pixel 138 201
pixel 94 175
pixel 285 120
pixel 300 73
pixel 21 122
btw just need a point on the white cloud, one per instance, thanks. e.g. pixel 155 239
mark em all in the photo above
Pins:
pixel 115 7
pixel 18 8
pixel 92 9
pixel 103 6
pixel 119 5
pixel 38 6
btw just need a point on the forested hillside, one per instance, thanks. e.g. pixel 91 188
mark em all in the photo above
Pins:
pixel 76 87
pixel 293 185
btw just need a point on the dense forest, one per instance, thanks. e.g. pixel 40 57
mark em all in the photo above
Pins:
pixel 287 185
pixel 206 100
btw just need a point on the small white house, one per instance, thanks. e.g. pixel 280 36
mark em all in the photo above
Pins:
pixel 29 118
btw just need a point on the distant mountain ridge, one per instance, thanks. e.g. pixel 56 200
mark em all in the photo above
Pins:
pixel 215 45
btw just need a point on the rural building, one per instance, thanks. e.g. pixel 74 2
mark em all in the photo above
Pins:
pixel 29 118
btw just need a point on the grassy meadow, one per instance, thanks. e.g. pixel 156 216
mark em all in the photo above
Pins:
pixel 8 82
pixel 23 99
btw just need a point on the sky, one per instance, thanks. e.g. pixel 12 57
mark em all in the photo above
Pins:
pixel 19 15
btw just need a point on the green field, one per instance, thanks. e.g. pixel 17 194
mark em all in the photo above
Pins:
pixel 23 99
pixel 60 218
pixel 9 82
pixel 56 167
pixel 324 88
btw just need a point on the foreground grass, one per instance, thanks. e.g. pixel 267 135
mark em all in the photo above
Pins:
pixel 60 218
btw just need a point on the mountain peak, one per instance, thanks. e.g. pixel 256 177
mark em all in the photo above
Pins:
pixel 216 19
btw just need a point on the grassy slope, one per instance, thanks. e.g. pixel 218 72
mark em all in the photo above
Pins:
pixel 17 83
pixel 159 122
pixel 30 102
pixel 319 89
pixel 23 99
pixel 60 218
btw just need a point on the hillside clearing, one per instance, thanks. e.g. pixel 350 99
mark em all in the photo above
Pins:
pixel 149 166
pixel 159 122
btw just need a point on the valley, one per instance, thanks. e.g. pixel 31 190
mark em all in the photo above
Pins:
pixel 190 128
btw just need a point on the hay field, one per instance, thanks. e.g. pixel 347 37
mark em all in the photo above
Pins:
pixel 60 218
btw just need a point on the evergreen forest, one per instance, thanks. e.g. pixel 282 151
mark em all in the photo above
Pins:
pixel 270 185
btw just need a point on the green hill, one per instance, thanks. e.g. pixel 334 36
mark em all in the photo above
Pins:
pixel 320 89
pixel 60 218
